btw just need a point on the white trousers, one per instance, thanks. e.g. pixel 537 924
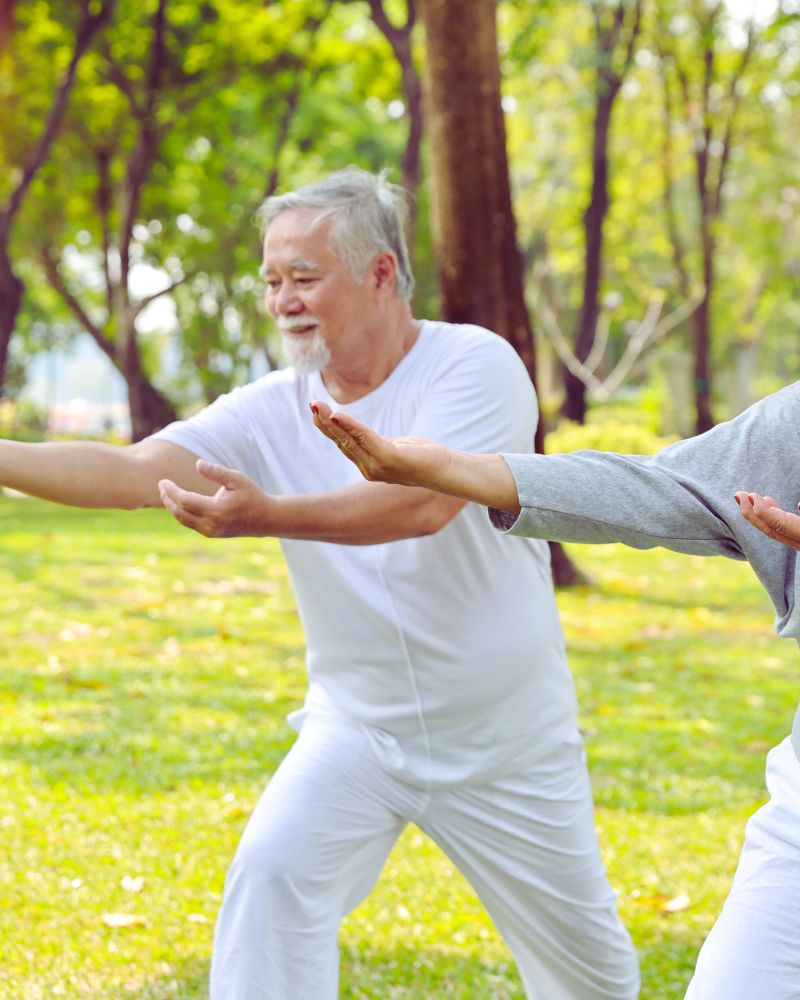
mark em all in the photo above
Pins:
pixel 321 832
pixel 753 950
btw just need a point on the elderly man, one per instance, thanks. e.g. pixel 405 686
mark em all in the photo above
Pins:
pixel 439 692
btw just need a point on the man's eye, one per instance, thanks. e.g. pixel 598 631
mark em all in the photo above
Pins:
pixel 273 286
pixel 304 281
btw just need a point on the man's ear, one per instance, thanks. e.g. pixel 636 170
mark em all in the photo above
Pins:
pixel 384 272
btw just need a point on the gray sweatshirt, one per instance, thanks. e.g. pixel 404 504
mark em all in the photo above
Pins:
pixel 681 498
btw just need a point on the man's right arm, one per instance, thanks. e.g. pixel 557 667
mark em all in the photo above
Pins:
pixel 95 474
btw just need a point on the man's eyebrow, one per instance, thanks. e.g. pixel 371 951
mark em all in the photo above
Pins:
pixel 294 265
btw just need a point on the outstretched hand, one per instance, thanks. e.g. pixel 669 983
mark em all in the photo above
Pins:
pixel 413 461
pixel 239 507
pixel 407 461
pixel 766 514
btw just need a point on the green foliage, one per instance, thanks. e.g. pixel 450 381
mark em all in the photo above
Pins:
pixel 250 95
pixel 146 676
pixel 609 435
pixel 22 420
pixel 254 93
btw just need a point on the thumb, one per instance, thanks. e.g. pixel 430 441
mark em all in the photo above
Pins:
pixel 229 478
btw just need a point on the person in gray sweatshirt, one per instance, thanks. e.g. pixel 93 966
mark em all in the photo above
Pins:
pixel 689 497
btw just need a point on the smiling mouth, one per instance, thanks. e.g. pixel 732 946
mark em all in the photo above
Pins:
pixel 300 330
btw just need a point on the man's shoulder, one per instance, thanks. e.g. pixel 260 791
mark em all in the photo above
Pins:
pixel 468 338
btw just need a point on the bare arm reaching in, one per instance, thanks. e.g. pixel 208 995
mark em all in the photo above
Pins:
pixel 484 479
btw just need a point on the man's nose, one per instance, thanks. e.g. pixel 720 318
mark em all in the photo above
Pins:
pixel 287 302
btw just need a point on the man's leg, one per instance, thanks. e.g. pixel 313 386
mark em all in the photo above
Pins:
pixel 311 851
pixel 753 950
pixel 528 846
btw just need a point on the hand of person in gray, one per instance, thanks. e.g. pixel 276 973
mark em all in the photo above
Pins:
pixel 684 498
pixel 439 691
pixel 768 516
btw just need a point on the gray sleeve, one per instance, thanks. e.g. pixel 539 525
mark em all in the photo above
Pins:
pixel 681 498
pixel 600 497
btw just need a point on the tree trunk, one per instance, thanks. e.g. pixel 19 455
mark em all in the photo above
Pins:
pixel 701 330
pixel 480 266
pixel 480 273
pixel 149 409
pixel 11 289
pixel 593 221
pixel 412 88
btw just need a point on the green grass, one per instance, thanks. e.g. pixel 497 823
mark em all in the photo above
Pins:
pixel 145 674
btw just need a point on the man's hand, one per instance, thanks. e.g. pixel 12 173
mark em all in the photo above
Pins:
pixel 406 461
pixel 765 514
pixel 239 508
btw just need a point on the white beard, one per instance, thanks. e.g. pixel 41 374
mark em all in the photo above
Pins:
pixel 305 354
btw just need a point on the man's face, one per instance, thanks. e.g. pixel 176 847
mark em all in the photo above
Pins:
pixel 317 305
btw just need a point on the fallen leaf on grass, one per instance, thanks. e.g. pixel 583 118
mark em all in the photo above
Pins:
pixel 85 683
pixel 198 918
pixel 123 920
pixel 664 903
pixel 132 884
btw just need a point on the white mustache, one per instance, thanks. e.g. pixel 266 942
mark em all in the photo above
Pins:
pixel 286 324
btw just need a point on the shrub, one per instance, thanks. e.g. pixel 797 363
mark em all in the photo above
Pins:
pixel 626 438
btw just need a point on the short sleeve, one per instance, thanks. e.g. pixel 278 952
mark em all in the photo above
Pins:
pixel 221 433
pixel 481 400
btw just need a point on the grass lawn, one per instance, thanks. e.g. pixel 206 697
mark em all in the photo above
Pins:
pixel 145 674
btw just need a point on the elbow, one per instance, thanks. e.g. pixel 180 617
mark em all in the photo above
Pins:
pixel 437 515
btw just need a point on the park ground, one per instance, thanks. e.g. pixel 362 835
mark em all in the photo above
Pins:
pixel 145 674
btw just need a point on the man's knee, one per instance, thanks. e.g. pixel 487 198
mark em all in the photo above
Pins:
pixel 280 877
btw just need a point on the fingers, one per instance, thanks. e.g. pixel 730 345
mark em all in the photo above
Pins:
pixel 356 441
pixel 229 478
pixel 764 513
pixel 192 510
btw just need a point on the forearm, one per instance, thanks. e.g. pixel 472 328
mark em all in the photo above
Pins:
pixel 95 474
pixel 483 479
pixel 79 473
pixel 362 514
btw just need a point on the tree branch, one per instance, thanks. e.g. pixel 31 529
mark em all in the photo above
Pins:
pixel 676 240
pixel 88 27
pixel 734 101
pixel 122 82
pixel 51 267
pixel 141 158
pixel 312 25
pixel 142 304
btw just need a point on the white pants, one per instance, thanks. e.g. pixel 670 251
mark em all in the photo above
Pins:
pixel 321 832
pixel 753 950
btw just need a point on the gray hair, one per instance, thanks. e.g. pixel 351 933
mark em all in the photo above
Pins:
pixel 367 214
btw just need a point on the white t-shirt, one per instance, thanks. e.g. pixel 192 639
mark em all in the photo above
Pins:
pixel 446 648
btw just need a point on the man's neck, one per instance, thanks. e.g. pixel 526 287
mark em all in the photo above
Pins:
pixel 353 378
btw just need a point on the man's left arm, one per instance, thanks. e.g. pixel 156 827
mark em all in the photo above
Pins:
pixel 360 514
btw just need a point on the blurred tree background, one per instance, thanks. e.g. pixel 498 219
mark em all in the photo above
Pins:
pixel 649 146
